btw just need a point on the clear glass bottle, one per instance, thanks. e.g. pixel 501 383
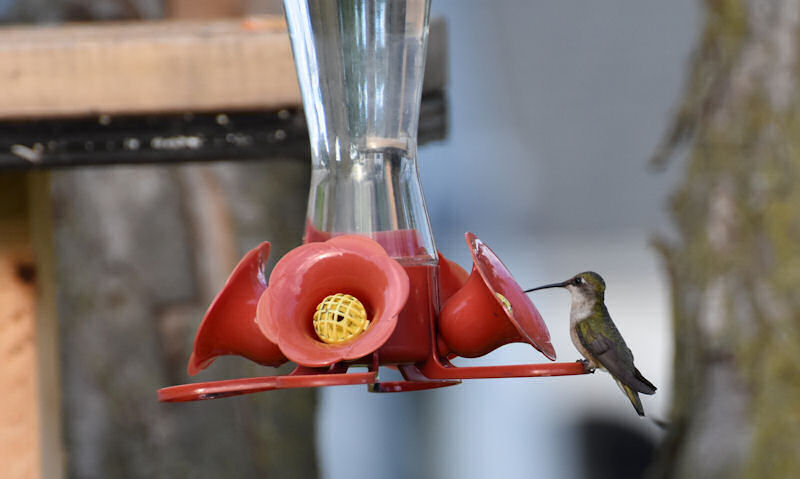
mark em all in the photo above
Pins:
pixel 360 65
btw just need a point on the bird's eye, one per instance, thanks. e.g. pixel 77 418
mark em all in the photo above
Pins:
pixel 578 280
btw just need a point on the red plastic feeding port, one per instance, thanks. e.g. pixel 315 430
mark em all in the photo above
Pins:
pixel 491 310
pixel 354 265
pixel 229 326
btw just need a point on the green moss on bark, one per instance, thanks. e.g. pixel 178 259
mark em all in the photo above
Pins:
pixel 737 214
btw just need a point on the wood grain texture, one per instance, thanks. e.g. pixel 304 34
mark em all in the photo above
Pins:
pixel 19 415
pixel 47 328
pixel 164 66
pixel 204 8
pixel 146 67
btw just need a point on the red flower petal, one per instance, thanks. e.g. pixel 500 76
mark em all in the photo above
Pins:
pixel 347 264
pixel 523 315
pixel 229 326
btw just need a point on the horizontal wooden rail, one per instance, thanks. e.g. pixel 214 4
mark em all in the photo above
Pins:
pixel 164 66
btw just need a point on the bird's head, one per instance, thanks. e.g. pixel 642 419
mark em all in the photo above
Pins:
pixel 588 285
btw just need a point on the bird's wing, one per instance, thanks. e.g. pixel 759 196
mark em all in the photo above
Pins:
pixel 614 355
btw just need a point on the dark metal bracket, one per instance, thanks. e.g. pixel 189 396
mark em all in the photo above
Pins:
pixel 175 137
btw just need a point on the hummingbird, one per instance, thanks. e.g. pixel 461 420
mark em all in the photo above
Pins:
pixel 597 338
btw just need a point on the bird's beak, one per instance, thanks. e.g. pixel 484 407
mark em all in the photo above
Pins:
pixel 551 285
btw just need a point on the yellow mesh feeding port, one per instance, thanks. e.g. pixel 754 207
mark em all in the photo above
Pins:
pixel 340 317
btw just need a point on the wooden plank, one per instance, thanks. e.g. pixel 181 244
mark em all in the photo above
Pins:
pixel 151 67
pixel 19 417
pixel 40 222
pixel 204 8
pixel 146 67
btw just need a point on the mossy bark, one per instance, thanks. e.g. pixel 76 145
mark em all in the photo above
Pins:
pixel 735 263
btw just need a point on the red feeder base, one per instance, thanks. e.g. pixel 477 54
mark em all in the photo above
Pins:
pixel 484 311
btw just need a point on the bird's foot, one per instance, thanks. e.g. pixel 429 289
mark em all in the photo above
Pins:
pixel 587 366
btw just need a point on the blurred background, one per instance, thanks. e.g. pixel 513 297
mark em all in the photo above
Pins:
pixel 554 109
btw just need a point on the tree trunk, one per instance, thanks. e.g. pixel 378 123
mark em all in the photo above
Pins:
pixel 735 263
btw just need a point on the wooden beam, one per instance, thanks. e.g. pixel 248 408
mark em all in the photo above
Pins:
pixel 145 67
pixel 204 8
pixel 19 441
pixel 41 241
pixel 152 67
pixel 30 439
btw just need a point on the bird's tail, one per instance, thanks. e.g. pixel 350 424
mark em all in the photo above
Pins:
pixel 649 388
pixel 634 398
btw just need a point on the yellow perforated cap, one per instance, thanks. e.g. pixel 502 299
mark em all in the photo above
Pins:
pixel 340 317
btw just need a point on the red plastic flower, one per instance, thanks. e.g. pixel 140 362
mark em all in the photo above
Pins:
pixel 517 305
pixel 490 310
pixel 350 264
pixel 229 325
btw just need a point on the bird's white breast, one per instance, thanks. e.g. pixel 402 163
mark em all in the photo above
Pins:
pixel 580 309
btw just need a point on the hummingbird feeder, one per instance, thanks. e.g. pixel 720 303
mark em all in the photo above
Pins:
pixel 367 287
